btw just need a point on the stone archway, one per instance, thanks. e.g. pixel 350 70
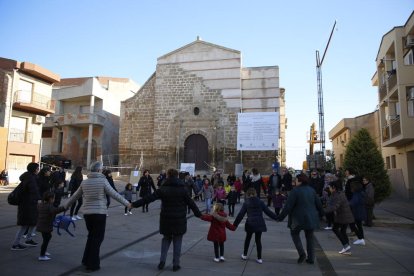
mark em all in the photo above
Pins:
pixel 196 151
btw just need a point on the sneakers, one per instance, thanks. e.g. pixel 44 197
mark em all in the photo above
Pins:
pixel 243 257
pixel 126 214
pixel 328 228
pixel 18 247
pixel 78 217
pixel 43 258
pixel 217 260
pixel 359 242
pixel 47 254
pixel 346 250
pixel 222 259
pixel 74 219
pixel 31 243
pixel 130 212
pixel 259 261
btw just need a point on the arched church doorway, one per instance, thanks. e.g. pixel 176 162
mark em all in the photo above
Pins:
pixel 196 151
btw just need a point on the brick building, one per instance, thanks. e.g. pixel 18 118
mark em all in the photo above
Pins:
pixel 187 110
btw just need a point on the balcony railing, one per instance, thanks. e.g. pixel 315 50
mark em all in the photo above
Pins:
pixel 395 127
pixel 392 80
pixel 17 135
pixel 76 119
pixel 25 99
pixel 382 92
pixel 385 133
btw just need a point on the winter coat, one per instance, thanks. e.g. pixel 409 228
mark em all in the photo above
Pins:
pixel 232 197
pixel 27 209
pixel 254 208
pixel 348 191
pixel 43 184
pixel 278 200
pixel 339 205
pixel 317 184
pixel 370 194
pixel 175 199
pixel 238 186
pixel 303 207
pixel 208 192
pixel 220 194
pixel 357 204
pixel 47 213
pixel 145 184
pixel 74 184
pixel 274 183
pixel 219 223
pixel 257 183
pixel 286 182
pixel 94 190
pixel 111 183
pixel 127 194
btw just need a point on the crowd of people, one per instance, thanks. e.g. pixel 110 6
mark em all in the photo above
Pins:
pixel 304 199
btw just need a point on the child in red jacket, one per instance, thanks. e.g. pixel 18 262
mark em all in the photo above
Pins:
pixel 217 231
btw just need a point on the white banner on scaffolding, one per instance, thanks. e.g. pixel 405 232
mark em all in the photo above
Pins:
pixel 258 131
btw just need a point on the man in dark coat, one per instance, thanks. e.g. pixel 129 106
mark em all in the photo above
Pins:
pixel 274 181
pixel 173 216
pixel 316 183
pixel 27 208
pixel 304 208
pixel 285 184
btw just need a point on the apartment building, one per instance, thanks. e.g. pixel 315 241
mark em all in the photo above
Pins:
pixel 342 133
pixel 394 77
pixel 25 100
pixel 85 126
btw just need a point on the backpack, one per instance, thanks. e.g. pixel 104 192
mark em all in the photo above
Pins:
pixel 15 197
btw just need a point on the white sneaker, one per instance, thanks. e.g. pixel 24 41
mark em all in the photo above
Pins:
pixel 74 219
pixel 328 228
pixel 126 214
pixel 217 260
pixel 243 257
pixel 47 254
pixel 346 250
pixel 259 261
pixel 359 242
pixel 130 212
pixel 222 259
pixel 78 217
pixel 43 258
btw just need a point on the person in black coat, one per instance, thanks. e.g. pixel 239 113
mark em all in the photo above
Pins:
pixel 285 181
pixel 108 174
pixel 144 187
pixel 43 181
pixel 255 223
pixel 27 209
pixel 274 183
pixel 173 216
pixel 74 184
pixel 304 208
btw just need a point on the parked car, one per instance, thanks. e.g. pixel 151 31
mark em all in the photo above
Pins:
pixel 57 160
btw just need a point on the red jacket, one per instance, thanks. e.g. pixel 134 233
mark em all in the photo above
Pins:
pixel 219 222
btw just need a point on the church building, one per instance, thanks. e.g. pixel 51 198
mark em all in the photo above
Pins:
pixel 187 110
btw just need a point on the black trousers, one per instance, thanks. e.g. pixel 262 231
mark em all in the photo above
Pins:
pixel 77 204
pixel 357 228
pixel 258 240
pixel 231 209
pixel 340 232
pixel 310 248
pixel 95 223
pixel 47 236
pixel 218 245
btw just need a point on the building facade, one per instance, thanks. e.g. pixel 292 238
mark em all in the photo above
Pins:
pixel 342 133
pixel 187 111
pixel 85 126
pixel 25 100
pixel 394 77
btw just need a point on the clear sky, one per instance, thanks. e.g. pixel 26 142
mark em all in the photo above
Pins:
pixel 124 38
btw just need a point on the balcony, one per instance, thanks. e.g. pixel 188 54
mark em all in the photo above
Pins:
pixel 382 92
pixel 392 80
pixel 33 103
pixel 395 127
pixel 80 119
pixel 17 135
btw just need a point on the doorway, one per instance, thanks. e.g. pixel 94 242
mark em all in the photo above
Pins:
pixel 196 151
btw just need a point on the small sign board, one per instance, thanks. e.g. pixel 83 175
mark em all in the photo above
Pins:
pixel 188 167
pixel 134 178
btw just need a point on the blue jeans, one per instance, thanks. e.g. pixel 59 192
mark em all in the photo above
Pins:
pixel 208 204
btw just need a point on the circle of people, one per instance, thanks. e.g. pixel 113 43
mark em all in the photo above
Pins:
pixel 303 199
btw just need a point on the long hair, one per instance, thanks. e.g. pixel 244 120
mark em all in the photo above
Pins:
pixel 77 174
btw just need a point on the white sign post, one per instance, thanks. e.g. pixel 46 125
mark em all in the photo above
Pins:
pixel 258 131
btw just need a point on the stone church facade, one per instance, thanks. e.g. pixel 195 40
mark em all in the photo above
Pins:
pixel 187 110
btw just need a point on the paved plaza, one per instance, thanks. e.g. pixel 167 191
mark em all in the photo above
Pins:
pixel 132 246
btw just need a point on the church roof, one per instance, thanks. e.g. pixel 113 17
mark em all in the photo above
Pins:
pixel 199 41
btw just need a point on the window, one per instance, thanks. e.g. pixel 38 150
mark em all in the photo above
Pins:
pixel 409 58
pixel 387 163
pixel 393 162
pixel 18 129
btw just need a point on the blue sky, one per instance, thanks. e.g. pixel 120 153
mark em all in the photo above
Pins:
pixel 124 39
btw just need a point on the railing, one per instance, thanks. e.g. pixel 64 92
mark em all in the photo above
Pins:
pixel 395 127
pixel 17 135
pixel 36 99
pixel 77 119
pixel 382 91
pixel 392 80
pixel 385 133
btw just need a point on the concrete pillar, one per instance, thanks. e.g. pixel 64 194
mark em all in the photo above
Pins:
pixel 91 111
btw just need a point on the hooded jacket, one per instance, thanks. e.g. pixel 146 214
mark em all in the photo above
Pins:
pixel 27 209
pixel 219 223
